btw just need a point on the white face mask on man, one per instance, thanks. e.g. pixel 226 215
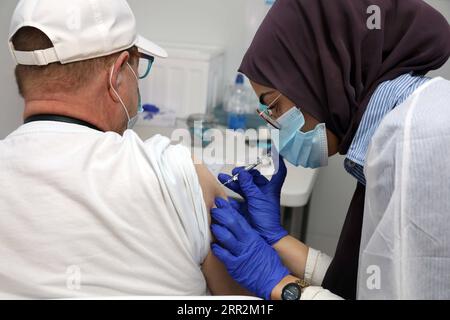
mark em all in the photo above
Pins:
pixel 131 121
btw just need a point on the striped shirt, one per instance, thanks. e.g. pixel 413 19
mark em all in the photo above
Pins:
pixel 388 95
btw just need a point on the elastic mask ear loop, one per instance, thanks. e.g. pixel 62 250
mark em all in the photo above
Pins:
pixel 117 94
pixel 140 108
pixel 134 73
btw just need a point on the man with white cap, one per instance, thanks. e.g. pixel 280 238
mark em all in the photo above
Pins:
pixel 87 208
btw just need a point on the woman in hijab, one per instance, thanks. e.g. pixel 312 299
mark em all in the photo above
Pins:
pixel 348 76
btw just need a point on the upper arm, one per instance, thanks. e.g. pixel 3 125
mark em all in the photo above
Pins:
pixel 210 187
pixel 217 277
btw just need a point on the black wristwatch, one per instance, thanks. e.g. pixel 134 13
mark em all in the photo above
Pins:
pixel 293 291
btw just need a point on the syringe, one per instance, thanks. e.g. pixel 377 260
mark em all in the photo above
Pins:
pixel 248 168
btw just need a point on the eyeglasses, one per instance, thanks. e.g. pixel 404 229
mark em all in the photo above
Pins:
pixel 265 112
pixel 145 64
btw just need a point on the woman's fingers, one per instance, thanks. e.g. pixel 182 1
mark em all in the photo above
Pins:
pixel 226 239
pixel 280 176
pixel 226 216
pixel 222 254
pixel 258 178
pixel 248 186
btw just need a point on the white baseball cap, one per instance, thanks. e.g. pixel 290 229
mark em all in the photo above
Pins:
pixel 79 30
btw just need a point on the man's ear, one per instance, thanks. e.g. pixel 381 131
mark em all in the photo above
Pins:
pixel 115 74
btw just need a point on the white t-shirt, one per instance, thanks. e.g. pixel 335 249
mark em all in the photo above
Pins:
pixel 85 213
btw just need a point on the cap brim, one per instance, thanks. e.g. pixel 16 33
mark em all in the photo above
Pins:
pixel 150 48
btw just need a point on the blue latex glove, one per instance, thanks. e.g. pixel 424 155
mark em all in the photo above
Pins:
pixel 248 258
pixel 262 200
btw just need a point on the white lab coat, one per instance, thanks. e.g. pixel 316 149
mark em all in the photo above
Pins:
pixel 405 244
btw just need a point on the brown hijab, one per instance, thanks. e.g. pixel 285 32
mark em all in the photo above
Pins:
pixel 322 55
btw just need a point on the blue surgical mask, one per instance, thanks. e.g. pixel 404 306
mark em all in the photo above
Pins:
pixel 306 149
pixel 131 121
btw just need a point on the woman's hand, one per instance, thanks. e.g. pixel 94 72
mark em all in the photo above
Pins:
pixel 248 258
pixel 263 210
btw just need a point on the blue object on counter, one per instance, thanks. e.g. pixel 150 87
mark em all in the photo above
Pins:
pixel 151 108
pixel 150 111
pixel 237 121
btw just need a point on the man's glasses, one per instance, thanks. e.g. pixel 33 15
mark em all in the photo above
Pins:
pixel 145 64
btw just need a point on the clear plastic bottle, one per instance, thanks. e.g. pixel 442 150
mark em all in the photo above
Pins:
pixel 237 105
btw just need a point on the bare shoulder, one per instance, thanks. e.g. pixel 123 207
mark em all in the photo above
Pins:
pixel 217 277
pixel 210 185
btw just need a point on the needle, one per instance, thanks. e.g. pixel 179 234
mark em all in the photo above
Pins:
pixel 248 168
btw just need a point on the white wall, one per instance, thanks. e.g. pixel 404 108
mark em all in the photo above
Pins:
pixel 211 22
pixel 11 106
pixel 444 7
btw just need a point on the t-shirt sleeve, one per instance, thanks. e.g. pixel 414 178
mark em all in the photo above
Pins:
pixel 176 169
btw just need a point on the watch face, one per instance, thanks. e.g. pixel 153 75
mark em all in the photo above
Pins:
pixel 292 292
